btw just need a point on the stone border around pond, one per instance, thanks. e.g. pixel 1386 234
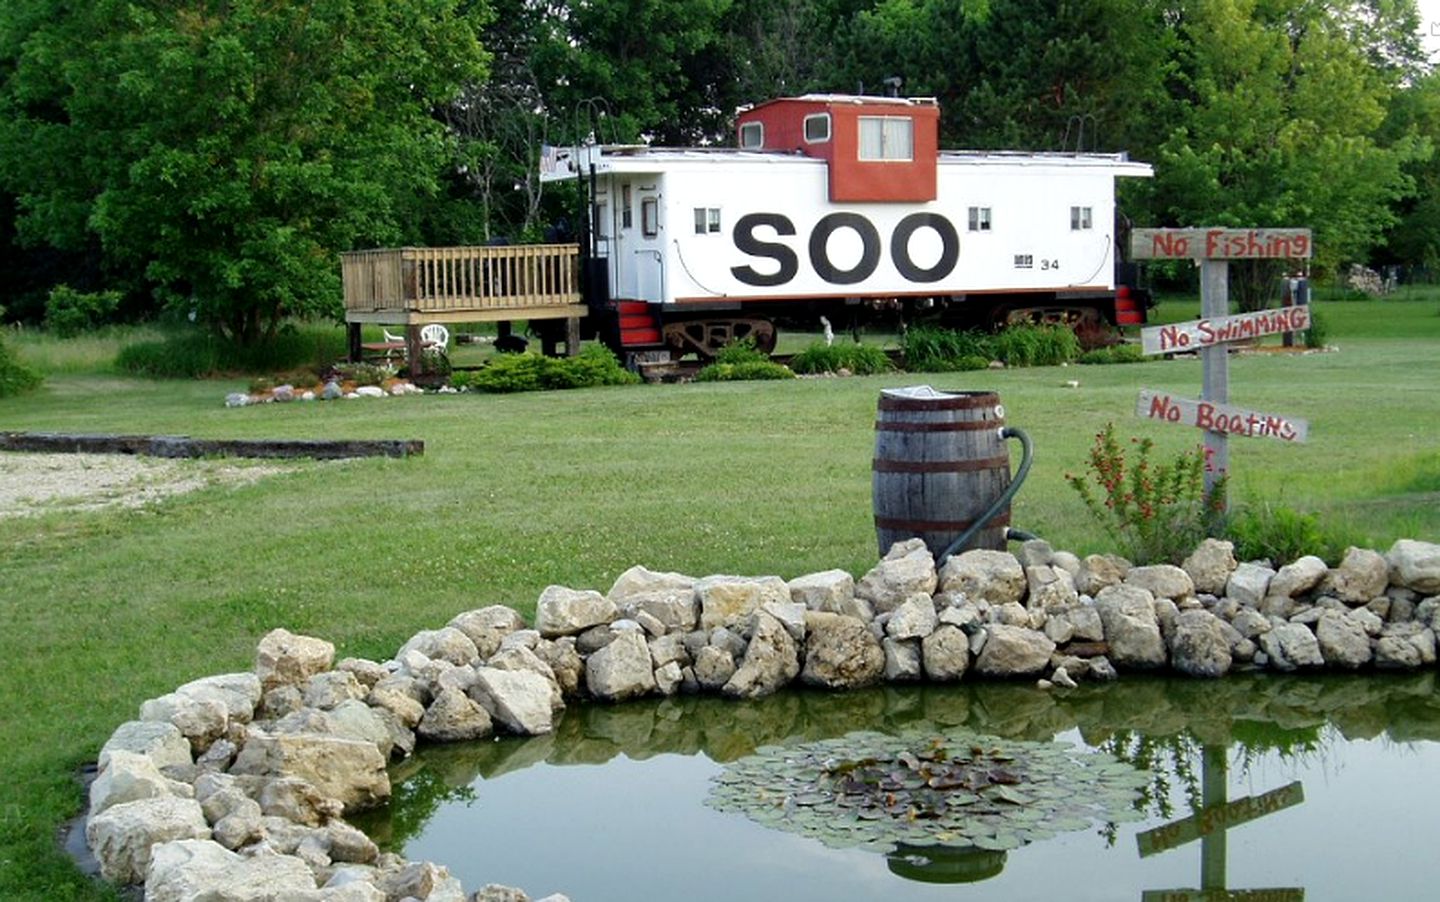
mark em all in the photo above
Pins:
pixel 235 787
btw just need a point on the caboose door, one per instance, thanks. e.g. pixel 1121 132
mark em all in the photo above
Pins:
pixel 638 259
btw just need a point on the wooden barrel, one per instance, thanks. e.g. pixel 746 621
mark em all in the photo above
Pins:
pixel 939 464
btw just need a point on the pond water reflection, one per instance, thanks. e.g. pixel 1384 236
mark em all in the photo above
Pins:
pixel 1307 788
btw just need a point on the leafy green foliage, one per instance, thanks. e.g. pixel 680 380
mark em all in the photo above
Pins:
pixel 230 151
pixel 858 359
pixel 1155 513
pixel 1121 353
pixel 1025 345
pixel 15 377
pixel 191 354
pixel 593 366
pixel 1281 535
pixel 363 373
pixel 746 371
pixel 928 349
pixel 69 312
pixel 1319 330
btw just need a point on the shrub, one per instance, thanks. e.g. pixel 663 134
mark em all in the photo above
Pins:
pixel 68 312
pixel 1318 332
pixel 1281 535
pixel 1027 345
pixel 191 354
pixel 364 373
pixel 15 377
pixel 1154 513
pixel 861 360
pixel 747 371
pixel 1121 353
pixel 742 351
pixel 928 349
pixel 593 366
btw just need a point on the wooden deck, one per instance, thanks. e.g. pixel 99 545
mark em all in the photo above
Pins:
pixel 413 286
pixel 417 285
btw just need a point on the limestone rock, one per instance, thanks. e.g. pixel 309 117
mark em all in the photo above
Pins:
pixel 1199 646
pixel 1100 571
pixel 422 880
pixel 486 627
pixel 914 618
pixel 568 612
pixel 366 671
pixel 791 615
pixel 1415 566
pixel 675 610
pixel 984 575
pixel 714 667
pixel 641 582
pixel 830 591
pixel 349 770
pixel 902 660
pixel 328 690
pixel 1162 581
pixel 195 869
pixel 1013 651
pixel 122 836
pixel 396 695
pixel 1249 584
pixel 620 670
pixel 1298 577
pixel 1250 623
pixel 668 678
pixel 1343 640
pixel 445 644
pixel 283 658
pixel 729 601
pixel 1209 566
pixel 297 801
pixel 454 717
pixel 1050 589
pixel 564 661
pixel 1290 646
pixel 906 570
pixel 1362 575
pixel 519 658
pixel 1131 629
pixel 160 741
pixel 1396 653
pixel 129 776
pixel 945 653
pixel 201 720
pixel 517 700
pixel 841 652
pixel 772 660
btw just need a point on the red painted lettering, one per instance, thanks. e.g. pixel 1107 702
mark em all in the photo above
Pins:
pixel 1161 408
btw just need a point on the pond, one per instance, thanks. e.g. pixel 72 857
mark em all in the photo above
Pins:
pixel 1257 788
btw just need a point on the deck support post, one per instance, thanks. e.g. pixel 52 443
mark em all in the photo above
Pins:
pixel 572 336
pixel 352 342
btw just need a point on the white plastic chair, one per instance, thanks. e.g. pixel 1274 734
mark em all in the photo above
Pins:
pixel 435 336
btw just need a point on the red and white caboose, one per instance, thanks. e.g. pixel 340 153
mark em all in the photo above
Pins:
pixel 836 206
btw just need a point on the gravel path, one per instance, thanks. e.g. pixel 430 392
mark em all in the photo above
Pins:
pixel 36 483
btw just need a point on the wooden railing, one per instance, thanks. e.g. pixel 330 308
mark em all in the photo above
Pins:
pixel 461 279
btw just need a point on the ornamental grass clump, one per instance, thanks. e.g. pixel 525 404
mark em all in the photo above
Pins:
pixel 1155 513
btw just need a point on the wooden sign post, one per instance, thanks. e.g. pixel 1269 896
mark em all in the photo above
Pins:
pixel 1209 824
pixel 1211 335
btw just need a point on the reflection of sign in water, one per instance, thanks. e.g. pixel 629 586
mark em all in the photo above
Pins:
pixel 1209 819
pixel 1209 824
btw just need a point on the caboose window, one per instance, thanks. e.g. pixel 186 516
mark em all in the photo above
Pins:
pixel 650 217
pixel 886 138
pixel 817 128
pixel 752 136
pixel 707 220
pixel 979 219
pixel 1080 218
pixel 626 218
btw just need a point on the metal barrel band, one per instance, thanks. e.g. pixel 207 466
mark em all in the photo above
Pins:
pixel 941 466
pixel 952 426
pixel 973 401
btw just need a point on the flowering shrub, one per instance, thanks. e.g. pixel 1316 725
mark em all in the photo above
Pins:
pixel 1155 513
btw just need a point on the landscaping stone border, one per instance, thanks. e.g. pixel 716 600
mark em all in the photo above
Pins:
pixel 235 787
pixel 183 446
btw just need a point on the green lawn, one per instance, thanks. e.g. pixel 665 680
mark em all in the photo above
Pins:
pixel 105 609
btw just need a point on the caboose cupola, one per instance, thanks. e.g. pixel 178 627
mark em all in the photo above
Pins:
pixel 877 149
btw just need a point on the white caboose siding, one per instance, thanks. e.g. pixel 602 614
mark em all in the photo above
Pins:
pixel 769 230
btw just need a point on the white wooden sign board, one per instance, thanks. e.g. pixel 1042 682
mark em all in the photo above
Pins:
pixel 1203 333
pixel 1219 418
pixel 1220 244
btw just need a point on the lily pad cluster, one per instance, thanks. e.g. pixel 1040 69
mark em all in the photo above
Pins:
pixel 957 789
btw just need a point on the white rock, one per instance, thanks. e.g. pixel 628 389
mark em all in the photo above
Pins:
pixel 915 618
pixel 1013 651
pixel 620 670
pixel 831 591
pixel 349 770
pixel 283 658
pixel 445 644
pixel 1298 577
pixel 1210 565
pixel 771 660
pixel 1362 575
pixel 161 741
pixel 1415 566
pixel 906 570
pixel 1162 581
pixel 517 700
pixel 945 653
pixel 729 601
pixel 567 612
pixel 1249 584
pixel 129 776
pixel 454 717
pixel 487 627
pixel 1131 628
pixel 841 652
pixel 121 837
pixel 982 574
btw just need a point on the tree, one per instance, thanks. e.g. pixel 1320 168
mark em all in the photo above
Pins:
pixel 1282 103
pixel 231 149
